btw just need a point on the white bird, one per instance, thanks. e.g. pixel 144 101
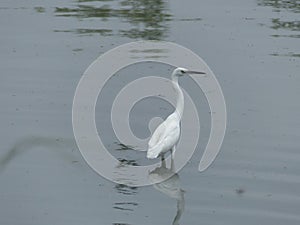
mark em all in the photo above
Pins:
pixel 167 134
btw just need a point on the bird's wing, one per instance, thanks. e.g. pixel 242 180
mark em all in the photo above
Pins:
pixel 171 134
pixel 158 133
pixel 168 137
pixel 163 129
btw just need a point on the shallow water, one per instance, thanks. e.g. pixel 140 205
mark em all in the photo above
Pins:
pixel 253 49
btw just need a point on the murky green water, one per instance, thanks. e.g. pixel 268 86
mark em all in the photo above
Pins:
pixel 252 47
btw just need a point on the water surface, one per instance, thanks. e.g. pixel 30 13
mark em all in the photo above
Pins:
pixel 252 47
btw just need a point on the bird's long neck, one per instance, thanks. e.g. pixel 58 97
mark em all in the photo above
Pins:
pixel 180 97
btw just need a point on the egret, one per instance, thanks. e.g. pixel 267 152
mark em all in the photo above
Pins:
pixel 167 134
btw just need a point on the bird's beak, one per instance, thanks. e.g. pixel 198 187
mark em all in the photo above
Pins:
pixel 194 72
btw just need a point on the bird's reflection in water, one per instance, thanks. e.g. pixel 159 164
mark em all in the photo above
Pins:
pixel 170 187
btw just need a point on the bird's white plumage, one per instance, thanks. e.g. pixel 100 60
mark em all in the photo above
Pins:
pixel 167 134
pixel 164 137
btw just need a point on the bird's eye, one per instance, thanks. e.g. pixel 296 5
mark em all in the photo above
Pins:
pixel 182 71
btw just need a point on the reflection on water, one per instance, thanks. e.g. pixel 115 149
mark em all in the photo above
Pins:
pixel 170 187
pixel 290 54
pixel 102 32
pixel 258 173
pixel 125 189
pixel 121 224
pixel 285 28
pixel 125 162
pixel 94 0
pixel 279 5
pixel 291 6
pixel 28 143
pixel 39 9
pixel 123 147
pixel 288 25
pixel 124 205
pixel 150 15
pixel 146 19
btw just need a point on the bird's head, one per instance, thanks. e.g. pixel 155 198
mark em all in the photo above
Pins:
pixel 183 71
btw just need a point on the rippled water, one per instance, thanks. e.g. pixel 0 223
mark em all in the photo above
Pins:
pixel 252 47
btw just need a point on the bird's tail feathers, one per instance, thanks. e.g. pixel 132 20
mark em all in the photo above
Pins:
pixel 154 151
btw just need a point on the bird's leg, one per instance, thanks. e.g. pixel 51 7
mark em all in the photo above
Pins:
pixel 172 157
pixel 163 162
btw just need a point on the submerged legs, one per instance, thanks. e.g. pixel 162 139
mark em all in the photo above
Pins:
pixel 172 157
pixel 163 162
